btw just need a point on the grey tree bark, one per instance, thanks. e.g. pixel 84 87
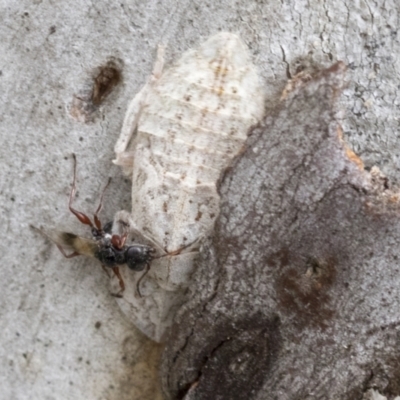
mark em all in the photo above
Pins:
pixel 296 291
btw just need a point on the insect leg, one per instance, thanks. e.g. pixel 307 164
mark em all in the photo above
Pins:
pixel 121 282
pixel 95 217
pixel 119 241
pixel 82 217
pixel 74 254
pixel 105 270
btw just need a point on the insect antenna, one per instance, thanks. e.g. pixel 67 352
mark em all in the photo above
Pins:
pixel 173 253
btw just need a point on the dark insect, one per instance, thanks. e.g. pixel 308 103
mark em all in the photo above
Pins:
pixel 110 249
pixel 108 77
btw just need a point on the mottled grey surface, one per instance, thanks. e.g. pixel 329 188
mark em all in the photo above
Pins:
pixel 297 294
pixel 50 347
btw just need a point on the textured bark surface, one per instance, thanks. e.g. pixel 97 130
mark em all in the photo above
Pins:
pixel 296 295
pixel 63 335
